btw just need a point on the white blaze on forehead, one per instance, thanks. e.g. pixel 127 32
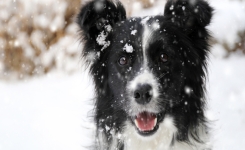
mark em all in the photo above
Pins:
pixel 144 20
pixel 146 36
pixel 145 76
pixel 148 29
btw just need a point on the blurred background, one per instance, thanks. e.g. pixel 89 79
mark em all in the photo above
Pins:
pixel 45 93
pixel 37 37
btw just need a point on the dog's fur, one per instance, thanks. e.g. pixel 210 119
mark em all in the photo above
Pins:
pixel 123 54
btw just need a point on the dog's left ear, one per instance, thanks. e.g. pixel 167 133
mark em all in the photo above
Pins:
pixel 99 15
pixel 188 14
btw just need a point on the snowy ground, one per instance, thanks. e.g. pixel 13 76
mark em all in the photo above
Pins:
pixel 51 113
pixel 226 92
pixel 48 113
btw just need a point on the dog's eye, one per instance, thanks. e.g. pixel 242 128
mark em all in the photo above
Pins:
pixel 164 57
pixel 123 61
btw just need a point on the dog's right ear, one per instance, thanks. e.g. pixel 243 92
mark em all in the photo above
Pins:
pixel 96 15
pixel 188 14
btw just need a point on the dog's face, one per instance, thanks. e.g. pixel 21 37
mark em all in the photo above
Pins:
pixel 145 68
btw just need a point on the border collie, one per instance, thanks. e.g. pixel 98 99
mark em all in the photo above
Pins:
pixel 149 75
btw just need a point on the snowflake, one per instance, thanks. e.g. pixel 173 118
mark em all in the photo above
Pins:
pixel 133 32
pixel 128 48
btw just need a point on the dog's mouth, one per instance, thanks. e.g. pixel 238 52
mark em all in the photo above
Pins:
pixel 147 123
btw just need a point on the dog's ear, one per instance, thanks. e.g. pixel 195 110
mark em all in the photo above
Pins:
pixel 99 15
pixel 188 14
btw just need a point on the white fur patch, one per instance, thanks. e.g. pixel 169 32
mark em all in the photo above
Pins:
pixel 146 37
pixel 101 141
pixel 149 29
pixel 204 136
pixel 145 19
pixel 161 140
pixel 145 77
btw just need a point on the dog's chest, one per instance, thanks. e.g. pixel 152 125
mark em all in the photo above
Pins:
pixel 161 140
pixel 164 139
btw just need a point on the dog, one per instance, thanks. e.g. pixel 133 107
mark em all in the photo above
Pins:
pixel 149 75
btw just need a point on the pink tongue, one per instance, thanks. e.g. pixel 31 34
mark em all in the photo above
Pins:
pixel 145 121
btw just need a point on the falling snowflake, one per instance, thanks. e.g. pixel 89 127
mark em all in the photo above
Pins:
pixel 128 48
pixel 133 32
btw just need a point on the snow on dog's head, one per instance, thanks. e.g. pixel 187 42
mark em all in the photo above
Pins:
pixel 145 64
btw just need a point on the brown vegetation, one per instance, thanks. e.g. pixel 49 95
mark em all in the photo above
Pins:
pixel 20 26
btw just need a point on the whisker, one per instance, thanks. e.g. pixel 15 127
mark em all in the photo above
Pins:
pixel 162 75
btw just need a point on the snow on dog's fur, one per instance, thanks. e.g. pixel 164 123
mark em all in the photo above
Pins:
pixel 149 75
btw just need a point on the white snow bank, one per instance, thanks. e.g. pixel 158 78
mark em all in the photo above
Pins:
pixel 49 113
pixel 226 95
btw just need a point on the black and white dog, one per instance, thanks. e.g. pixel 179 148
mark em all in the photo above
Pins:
pixel 149 75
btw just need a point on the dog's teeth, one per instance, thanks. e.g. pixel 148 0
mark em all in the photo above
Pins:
pixel 155 122
pixel 136 123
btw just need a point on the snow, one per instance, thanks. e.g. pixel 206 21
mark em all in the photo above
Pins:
pixel 128 48
pixel 188 90
pixel 98 6
pixel 36 37
pixel 171 7
pixel 54 112
pixel 101 39
pixel 155 25
pixel 226 101
pixel 228 19
pixel 133 32
pixel 46 113
pixel 108 28
pixel 218 51
pixel 156 10
pixel 91 57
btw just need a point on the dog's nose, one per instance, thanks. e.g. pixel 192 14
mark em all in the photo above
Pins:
pixel 143 94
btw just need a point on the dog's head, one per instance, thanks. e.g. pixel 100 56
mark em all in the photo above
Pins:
pixel 145 68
